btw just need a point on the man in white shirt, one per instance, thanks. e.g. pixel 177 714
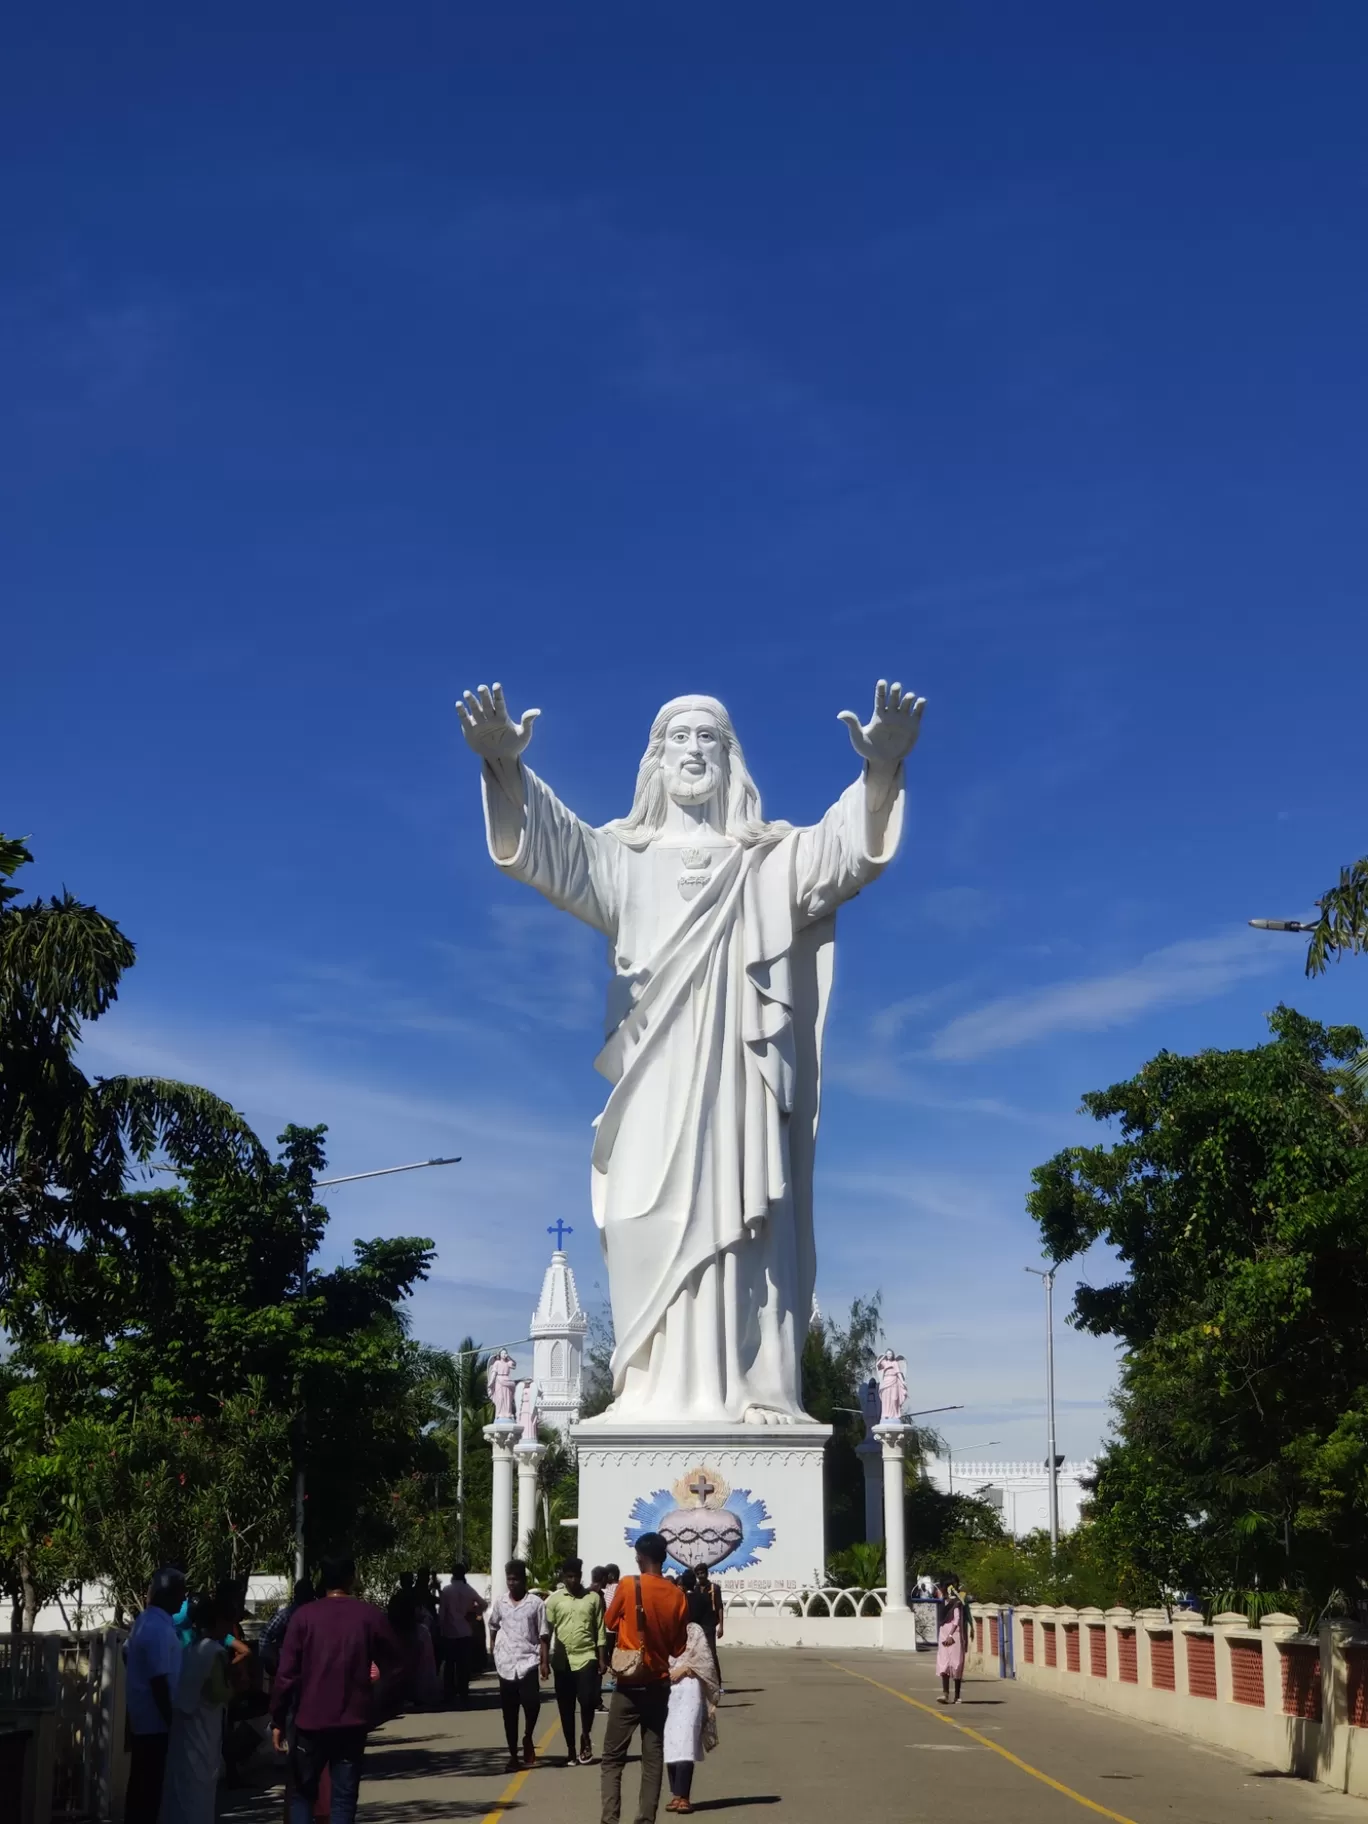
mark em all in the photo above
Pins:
pixel 152 1658
pixel 457 1607
pixel 522 1644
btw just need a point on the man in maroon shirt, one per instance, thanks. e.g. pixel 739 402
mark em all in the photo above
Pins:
pixel 324 1679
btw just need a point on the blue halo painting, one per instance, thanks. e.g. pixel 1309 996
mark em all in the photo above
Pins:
pixel 704 1522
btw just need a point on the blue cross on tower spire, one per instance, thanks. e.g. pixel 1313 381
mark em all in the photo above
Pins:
pixel 560 1230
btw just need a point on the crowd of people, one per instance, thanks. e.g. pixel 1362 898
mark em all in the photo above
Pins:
pixel 328 1666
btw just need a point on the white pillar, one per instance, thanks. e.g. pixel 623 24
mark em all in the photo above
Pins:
pixel 529 1458
pixel 502 1438
pixel 893 1437
pixel 869 1453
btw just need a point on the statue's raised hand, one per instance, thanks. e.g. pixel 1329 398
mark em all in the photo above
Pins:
pixel 488 727
pixel 889 736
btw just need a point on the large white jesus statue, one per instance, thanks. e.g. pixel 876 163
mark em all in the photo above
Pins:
pixel 720 929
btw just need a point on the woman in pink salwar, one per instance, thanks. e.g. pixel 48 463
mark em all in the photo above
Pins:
pixel 950 1647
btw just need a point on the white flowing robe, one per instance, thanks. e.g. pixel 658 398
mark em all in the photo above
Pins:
pixel 701 1177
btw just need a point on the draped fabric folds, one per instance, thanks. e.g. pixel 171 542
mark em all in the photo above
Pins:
pixel 701 1176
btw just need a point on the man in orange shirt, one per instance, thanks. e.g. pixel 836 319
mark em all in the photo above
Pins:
pixel 650 1616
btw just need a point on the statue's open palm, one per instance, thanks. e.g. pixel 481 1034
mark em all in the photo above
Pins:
pixel 889 736
pixel 488 727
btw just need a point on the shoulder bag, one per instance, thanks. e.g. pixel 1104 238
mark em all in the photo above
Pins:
pixel 627 1662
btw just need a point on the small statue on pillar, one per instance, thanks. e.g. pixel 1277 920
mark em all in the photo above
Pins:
pixel 499 1378
pixel 529 1411
pixel 892 1372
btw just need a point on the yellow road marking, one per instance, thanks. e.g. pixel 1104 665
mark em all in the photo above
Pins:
pixel 514 1786
pixel 997 1748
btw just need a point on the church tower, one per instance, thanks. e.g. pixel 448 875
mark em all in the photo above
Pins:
pixel 559 1326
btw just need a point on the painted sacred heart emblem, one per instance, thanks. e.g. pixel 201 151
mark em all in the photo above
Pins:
pixel 700 1535
pixel 704 1521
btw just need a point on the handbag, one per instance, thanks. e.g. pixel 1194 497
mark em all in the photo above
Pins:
pixel 628 1662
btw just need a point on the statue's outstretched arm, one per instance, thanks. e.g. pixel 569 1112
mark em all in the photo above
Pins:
pixel 532 835
pixel 856 839
pixel 885 741
pixel 492 733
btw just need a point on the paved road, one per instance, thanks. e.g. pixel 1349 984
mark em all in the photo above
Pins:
pixel 856 1740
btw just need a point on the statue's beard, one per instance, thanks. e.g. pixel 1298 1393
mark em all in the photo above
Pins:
pixel 682 789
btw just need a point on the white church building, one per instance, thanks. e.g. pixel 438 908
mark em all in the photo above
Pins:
pixel 1019 1491
pixel 559 1327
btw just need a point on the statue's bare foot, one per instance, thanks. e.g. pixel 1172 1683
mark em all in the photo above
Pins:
pixel 768 1415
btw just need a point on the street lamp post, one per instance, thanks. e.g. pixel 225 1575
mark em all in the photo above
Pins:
pixel 1047 1274
pixel 301 1479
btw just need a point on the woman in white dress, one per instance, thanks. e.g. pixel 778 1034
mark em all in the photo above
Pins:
pixel 194 1753
pixel 690 1724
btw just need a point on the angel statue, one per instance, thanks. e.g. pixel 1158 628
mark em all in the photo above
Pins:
pixel 892 1372
pixel 499 1377
pixel 720 927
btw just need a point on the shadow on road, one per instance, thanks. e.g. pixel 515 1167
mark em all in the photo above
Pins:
pixel 759 1798
pixel 428 1811
pixel 404 1761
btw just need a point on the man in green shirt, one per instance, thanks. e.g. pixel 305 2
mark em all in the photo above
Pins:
pixel 578 1656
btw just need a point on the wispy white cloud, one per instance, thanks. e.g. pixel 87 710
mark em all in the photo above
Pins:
pixel 889 1022
pixel 1194 970
pixel 881 1077
pixel 531 966
pixel 522 1165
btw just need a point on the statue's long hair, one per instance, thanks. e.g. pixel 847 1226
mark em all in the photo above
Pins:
pixel 743 820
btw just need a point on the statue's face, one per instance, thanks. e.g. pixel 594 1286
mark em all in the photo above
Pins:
pixel 692 761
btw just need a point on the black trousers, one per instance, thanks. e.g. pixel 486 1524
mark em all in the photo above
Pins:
pixel 580 1688
pixel 633 1707
pixel 515 1695
pixel 681 1778
pixel 458 1660
pixel 146 1777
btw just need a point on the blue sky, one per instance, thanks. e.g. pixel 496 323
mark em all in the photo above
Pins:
pixel 352 355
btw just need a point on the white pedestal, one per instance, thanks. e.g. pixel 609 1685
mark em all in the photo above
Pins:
pixel 893 1438
pixel 755 1513
pixel 528 1458
pixel 502 1436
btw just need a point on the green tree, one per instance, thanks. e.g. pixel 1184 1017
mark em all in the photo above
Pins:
pixel 596 1390
pixel 67 1142
pixel 837 1358
pixel 1236 1200
pixel 995 1568
pixel 457 1383
pixel 1342 928
pixel 36 1561
pixel 208 1491
pixel 211 1296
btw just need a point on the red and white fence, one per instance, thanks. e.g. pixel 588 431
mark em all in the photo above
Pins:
pixel 1296 1702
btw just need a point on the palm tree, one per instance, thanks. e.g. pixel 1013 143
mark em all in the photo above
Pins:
pixel 67 1142
pixel 454 1381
